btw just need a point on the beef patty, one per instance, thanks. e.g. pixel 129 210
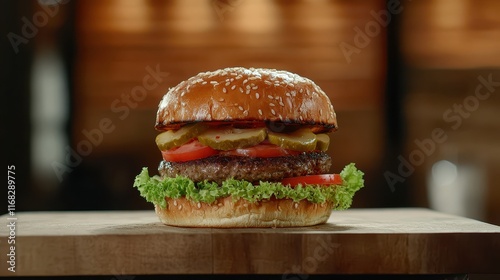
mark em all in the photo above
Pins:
pixel 219 168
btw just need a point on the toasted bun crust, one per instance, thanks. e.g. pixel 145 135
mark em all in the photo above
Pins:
pixel 226 213
pixel 247 95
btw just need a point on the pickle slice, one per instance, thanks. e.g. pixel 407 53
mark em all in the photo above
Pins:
pixel 229 138
pixel 322 142
pixel 170 139
pixel 302 140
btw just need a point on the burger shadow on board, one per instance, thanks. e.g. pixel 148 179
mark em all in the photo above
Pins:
pixel 159 228
pixel 323 228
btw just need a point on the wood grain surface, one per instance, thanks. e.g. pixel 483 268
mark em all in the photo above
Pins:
pixel 356 241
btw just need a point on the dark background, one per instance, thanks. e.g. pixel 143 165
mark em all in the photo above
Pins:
pixel 394 70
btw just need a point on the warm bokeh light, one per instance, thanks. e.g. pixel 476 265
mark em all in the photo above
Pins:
pixel 258 16
pixel 190 16
pixel 452 34
pixel 124 16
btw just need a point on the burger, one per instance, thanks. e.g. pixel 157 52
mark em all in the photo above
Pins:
pixel 246 147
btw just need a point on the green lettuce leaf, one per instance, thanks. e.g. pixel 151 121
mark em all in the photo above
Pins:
pixel 154 189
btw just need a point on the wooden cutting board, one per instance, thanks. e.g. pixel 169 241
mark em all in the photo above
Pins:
pixel 356 241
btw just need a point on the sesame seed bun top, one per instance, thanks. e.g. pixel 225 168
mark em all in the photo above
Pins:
pixel 247 95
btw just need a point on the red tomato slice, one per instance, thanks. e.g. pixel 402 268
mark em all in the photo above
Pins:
pixel 190 151
pixel 261 150
pixel 322 179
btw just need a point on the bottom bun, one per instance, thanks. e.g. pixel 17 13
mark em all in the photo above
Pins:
pixel 226 213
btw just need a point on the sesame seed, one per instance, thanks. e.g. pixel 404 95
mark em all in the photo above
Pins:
pixel 224 90
pixel 260 112
pixel 233 87
pixel 204 83
pixel 255 87
pixel 248 87
pixel 267 82
pixel 301 90
pixel 198 205
pixel 228 83
pixel 270 97
pixel 273 112
pixel 214 82
pixel 245 81
pixel 247 92
pixel 287 94
pixel 241 108
pixel 221 100
pixel 272 104
pixel 257 95
pixel 245 113
pixel 282 104
pixel 175 202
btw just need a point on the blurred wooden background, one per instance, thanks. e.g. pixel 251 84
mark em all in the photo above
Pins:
pixel 391 68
